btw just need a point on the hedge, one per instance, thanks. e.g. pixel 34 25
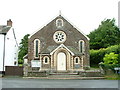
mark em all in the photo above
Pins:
pixel 96 56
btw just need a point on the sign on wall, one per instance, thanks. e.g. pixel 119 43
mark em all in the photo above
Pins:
pixel 35 63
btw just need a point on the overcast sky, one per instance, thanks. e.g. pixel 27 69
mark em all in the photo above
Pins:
pixel 30 15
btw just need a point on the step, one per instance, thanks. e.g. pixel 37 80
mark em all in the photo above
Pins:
pixel 68 78
pixel 63 74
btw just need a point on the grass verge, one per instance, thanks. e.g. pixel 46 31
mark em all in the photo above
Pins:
pixel 112 77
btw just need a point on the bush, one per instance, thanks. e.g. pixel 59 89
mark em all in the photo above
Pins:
pixel 96 56
pixel 111 59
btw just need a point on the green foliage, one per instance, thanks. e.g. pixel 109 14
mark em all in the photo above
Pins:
pixel 20 61
pixel 105 35
pixel 96 56
pixel 23 49
pixel 110 59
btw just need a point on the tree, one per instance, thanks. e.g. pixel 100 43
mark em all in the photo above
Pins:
pixel 105 35
pixel 110 59
pixel 23 49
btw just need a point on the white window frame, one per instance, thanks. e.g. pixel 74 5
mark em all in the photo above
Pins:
pixel 47 60
pixel 59 24
pixel 35 47
pixel 75 60
pixel 83 46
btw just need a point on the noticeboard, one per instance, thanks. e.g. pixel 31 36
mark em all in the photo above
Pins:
pixel 35 63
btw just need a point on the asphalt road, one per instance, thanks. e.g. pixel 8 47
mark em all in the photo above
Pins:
pixel 38 83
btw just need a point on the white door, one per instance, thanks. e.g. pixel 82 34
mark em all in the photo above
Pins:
pixel 61 61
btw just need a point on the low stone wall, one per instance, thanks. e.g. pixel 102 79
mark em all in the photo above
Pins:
pixel 37 74
pixel 90 74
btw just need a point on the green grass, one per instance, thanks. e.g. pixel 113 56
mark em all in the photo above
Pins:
pixel 112 77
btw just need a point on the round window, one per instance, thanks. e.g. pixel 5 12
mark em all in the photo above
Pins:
pixel 59 37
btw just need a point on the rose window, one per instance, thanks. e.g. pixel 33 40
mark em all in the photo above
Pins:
pixel 59 37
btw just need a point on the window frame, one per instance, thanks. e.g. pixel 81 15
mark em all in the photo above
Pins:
pixel 38 48
pixel 47 59
pixel 82 48
pixel 77 59
pixel 58 23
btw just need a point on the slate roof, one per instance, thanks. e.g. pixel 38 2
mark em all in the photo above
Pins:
pixel 74 50
pixel 4 29
pixel 49 49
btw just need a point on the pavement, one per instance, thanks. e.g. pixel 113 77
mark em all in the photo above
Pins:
pixel 46 83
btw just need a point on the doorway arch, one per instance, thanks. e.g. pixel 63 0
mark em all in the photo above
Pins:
pixel 61 61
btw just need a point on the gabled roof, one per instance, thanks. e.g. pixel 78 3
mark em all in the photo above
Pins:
pixel 63 46
pixel 76 27
pixel 4 29
pixel 42 26
pixel 66 20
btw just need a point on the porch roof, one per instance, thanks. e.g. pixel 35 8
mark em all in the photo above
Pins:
pixel 51 49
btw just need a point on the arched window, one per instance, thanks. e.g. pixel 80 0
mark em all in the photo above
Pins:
pixel 77 60
pixel 59 23
pixel 46 60
pixel 81 46
pixel 36 47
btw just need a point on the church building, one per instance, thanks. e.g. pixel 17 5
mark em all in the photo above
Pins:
pixel 59 46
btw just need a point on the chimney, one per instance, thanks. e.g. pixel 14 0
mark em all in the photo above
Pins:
pixel 9 22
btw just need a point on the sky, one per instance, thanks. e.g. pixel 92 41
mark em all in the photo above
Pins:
pixel 31 15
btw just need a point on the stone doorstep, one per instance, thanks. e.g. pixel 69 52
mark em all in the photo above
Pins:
pixel 74 78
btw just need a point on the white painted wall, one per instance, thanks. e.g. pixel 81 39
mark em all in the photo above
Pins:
pixel 1 51
pixel 11 50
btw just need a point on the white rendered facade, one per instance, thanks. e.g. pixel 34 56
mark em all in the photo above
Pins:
pixel 11 50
